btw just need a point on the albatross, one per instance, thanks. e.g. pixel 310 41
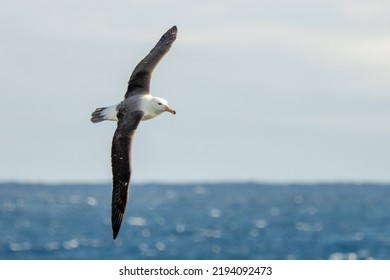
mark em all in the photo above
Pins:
pixel 138 105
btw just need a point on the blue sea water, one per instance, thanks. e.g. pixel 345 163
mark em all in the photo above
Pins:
pixel 197 221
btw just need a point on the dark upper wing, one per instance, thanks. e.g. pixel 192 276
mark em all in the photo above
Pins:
pixel 121 164
pixel 139 82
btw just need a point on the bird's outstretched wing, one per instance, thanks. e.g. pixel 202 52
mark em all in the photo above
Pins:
pixel 121 164
pixel 139 82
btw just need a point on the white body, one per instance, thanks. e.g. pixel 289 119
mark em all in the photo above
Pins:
pixel 150 105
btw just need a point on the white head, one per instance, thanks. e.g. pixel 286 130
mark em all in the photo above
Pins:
pixel 160 105
pixel 154 106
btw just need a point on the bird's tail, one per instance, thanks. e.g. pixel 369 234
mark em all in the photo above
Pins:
pixel 98 115
pixel 104 113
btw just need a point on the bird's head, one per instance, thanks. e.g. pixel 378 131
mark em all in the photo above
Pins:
pixel 161 105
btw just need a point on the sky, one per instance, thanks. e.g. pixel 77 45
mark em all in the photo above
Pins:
pixel 275 91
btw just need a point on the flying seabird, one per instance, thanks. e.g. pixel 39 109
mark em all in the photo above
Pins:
pixel 138 105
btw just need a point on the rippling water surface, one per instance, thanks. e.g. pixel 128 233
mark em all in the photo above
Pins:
pixel 197 221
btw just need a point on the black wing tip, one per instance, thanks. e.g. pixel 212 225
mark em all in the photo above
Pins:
pixel 172 32
pixel 114 234
pixel 116 221
pixel 115 229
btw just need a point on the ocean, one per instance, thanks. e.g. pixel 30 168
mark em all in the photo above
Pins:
pixel 218 221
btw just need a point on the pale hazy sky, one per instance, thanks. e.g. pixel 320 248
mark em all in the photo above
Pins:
pixel 276 91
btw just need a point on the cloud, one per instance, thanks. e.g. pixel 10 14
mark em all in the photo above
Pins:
pixel 259 86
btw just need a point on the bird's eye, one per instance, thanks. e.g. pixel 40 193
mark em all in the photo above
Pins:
pixel 159 103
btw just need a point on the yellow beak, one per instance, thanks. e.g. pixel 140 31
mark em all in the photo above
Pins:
pixel 169 109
